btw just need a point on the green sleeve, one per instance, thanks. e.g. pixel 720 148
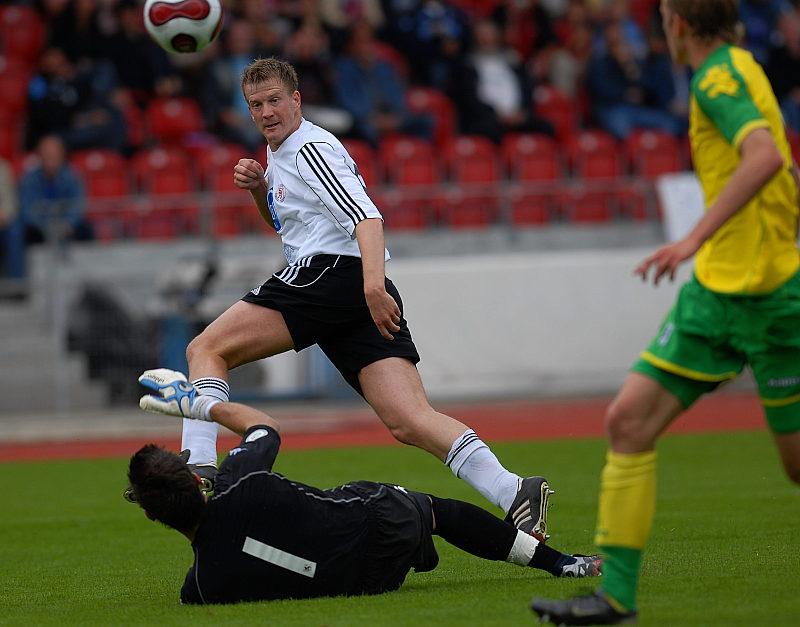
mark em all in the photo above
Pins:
pixel 723 96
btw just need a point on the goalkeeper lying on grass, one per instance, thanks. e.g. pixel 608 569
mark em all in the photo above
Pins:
pixel 263 536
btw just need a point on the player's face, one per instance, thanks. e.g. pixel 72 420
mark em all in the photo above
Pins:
pixel 673 33
pixel 275 111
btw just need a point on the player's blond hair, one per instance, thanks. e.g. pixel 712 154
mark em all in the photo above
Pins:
pixel 263 70
pixel 710 19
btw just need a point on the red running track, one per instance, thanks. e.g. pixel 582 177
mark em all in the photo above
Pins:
pixel 502 421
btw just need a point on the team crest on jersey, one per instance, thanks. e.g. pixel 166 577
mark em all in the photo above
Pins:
pixel 719 80
pixel 280 193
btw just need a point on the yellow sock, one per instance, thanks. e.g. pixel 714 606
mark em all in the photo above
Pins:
pixel 627 507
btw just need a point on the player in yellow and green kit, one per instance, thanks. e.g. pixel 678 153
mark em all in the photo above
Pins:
pixel 742 305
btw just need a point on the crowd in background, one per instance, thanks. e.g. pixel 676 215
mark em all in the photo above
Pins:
pixel 96 70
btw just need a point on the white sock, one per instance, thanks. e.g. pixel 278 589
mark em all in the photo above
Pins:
pixel 471 460
pixel 201 437
pixel 523 549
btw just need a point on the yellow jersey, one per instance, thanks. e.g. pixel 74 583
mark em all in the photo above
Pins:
pixel 755 251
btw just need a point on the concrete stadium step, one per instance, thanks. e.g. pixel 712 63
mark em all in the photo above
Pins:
pixel 34 385
pixel 21 344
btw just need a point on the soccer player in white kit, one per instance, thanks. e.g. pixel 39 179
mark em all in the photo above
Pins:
pixel 334 293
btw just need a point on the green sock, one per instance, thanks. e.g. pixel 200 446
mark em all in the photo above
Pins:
pixel 621 574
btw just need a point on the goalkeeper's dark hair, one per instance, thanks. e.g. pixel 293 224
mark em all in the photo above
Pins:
pixel 165 488
pixel 710 19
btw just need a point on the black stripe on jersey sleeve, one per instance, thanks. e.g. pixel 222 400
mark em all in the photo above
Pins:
pixel 331 184
pixel 359 211
pixel 311 161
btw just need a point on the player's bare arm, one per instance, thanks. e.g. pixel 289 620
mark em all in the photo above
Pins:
pixel 383 308
pixel 761 160
pixel 173 395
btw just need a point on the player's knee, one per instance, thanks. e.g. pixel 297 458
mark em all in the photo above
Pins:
pixel 624 426
pixel 405 433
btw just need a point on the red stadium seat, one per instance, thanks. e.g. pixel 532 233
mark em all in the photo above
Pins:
pixel 105 175
pixel 794 142
pixel 558 109
pixel 412 168
pixel 434 102
pixel 14 88
pixel 409 161
pixel 594 154
pixel 10 139
pixel 475 172
pixel 171 119
pixel 530 157
pixel 21 33
pixel 164 175
pixel 652 153
pixel 233 210
pixel 366 160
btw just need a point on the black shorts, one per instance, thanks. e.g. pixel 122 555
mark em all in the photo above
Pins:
pixel 400 537
pixel 322 301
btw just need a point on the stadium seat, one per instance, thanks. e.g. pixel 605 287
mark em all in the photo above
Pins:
pixel 531 157
pixel 10 139
pixel 14 88
pixel 475 173
pixel 558 109
pixel 594 154
pixel 21 33
pixel 232 208
pixel 105 175
pixel 171 119
pixel 164 175
pixel 414 172
pixel 794 141
pixel 533 161
pixel 652 153
pixel 366 160
pixel 434 102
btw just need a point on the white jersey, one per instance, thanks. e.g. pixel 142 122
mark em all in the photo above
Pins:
pixel 316 195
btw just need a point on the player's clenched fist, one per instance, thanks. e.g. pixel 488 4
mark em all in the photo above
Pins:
pixel 248 174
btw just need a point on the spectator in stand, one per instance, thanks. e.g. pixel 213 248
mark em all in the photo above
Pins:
pixel 308 51
pixel 51 203
pixel 617 13
pixel 526 26
pixel 74 103
pixel 370 89
pixel 8 214
pixel 75 27
pixel 784 67
pixel 628 93
pixel 760 18
pixel 270 28
pixel 501 84
pixel 225 108
pixel 426 31
pixel 567 64
pixel 340 16
pixel 139 62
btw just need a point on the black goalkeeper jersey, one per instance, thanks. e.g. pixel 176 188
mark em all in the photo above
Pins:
pixel 266 537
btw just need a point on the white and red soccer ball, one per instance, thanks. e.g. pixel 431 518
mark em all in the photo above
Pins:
pixel 183 25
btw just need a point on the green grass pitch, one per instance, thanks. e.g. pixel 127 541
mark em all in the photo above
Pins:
pixel 724 550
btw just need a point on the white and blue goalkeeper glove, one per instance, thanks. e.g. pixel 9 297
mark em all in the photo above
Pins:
pixel 175 395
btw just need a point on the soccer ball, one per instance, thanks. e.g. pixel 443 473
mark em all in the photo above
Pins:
pixel 183 25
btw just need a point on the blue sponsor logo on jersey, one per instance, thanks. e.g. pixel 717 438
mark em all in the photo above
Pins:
pixel 276 222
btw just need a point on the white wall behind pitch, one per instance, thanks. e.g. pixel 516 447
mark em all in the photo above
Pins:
pixel 551 323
